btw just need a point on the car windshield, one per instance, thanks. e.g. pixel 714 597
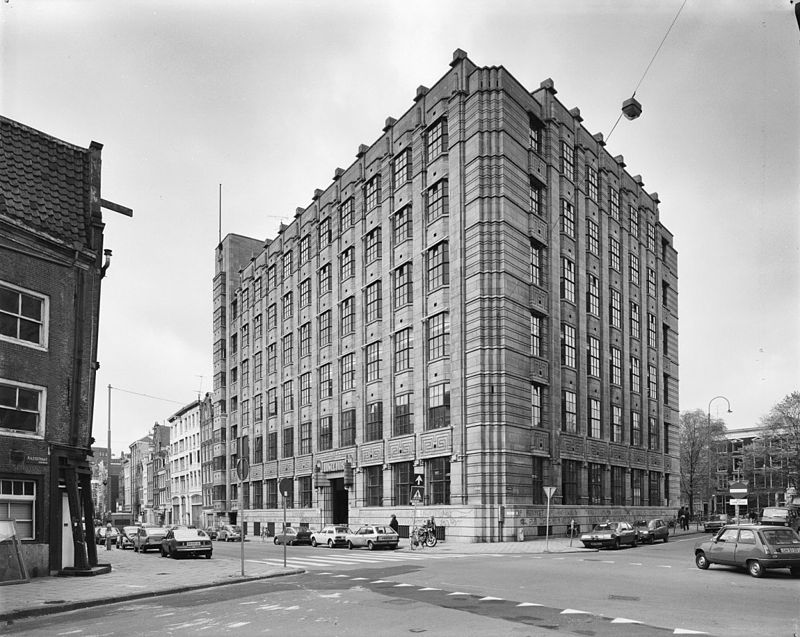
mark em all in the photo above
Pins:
pixel 342 529
pixel 188 534
pixel 776 513
pixel 781 536
pixel 603 527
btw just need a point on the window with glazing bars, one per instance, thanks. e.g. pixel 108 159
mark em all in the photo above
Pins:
pixel 592 295
pixel 325 328
pixel 651 237
pixel 439 336
pixel 652 337
pixel 568 345
pixel 325 279
pixel 372 192
pixel 633 218
pixel 437 472
pixel 23 316
pixel 536 199
pixel 613 253
pixel 438 406
pixel 567 160
pixel 437 201
pixel 402 477
pixel 305 339
pixel 616 366
pixel 324 232
pixel 594 356
pixel 373 478
pixel 374 424
pixel 287 265
pixel 272 358
pixel 651 282
pixel 636 429
pixel 570 470
pixel 402 350
pixel 636 375
pixel 373 361
pixel 535 133
pixel 615 308
pixel 633 268
pixel 325 433
pixel 537 263
pixel 305 248
pixel 288 442
pixel 437 139
pixel 591 182
pixel 348 371
pixel 305 389
pixel 616 423
pixel 347 212
pixel 402 168
pixel 653 433
pixel 613 203
pixel 595 483
pixel 652 382
pixel 258 366
pixel 305 437
pixel 272 316
pixel 348 263
pixel 569 411
pixel 403 415
pixel 567 279
pixel 403 285
pixel 374 302
pixel 347 428
pixel 305 292
pixel 258 407
pixel 347 311
pixel 325 381
pixel 536 335
pixel 635 321
pixel 592 237
pixel 271 494
pixel 402 225
pixel 258 320
pixel 567 218
pixel 537 399
pixel 438 266
pixel 288 349
pixel 288 306
pixel 595 427
pixel 272 446
pixel 373 245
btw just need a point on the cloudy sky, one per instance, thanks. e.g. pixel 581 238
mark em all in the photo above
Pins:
pixel 269 98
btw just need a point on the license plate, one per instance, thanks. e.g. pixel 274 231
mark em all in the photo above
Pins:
pixel 791 549
pixel 193 544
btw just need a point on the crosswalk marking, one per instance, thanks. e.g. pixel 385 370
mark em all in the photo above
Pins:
pixel 350 559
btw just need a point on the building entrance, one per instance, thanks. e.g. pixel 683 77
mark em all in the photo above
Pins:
pixel 339 502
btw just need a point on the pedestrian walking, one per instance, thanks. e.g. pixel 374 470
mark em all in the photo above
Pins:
pixel 108 536
pixel 394 524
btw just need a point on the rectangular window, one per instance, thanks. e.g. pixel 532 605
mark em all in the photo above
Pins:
pixel 272 358
pixel 437 139
pixel 373 245
pixel 324 232
pixel 570 470
pixel 373 304
pixel 257 327
pixel 616 366
pixel 633 268
pixel 567 280
pixel 325 433
pixel 21 408
pixel 373 361
pixel 437 201
pixel 287 266
pixel 258 407
pixel 305 292
pixel 652 382
pixel 348 314
pixel 652 336
pixel 535 194
pixel 637 487
pixel 272 446
pixel 653 441
pixel 616 423
pixel 535 133
pixel 325 381
pixel 536 335
pixel 271 494
pixel 402 477
pixel 402 225
pixel 568 345
pixel 373 483
pixel 18 503
pixel 245 337
pixel 651 282
pixel 272 317
pixel 288 442
pixel 537 264
pixel 595 483
pixel 591 183
pixel 272 401
pixel 347 213
pixel 23 316
pixel 403 285
pixel 439 336
pixel 569 412
pixel 288 306
pixel 438 406
pixel 592 237
pixel 615 308
pixel 613 253
pixel 347 430
pixel 305 437
pixel 593 295
pixel 536 405
pixel 617 486
pixel 305 389
pixel 403 415
pixel 613 203
pixel 595 430
pixel 594 356
pixel 272 277
pixel 306 492
pixel 654 478
pixel 372 193
pixel 374 425
pixel 567 161
pixel 636 429
pixel 537 482
pixel 325 279
pixel 437 472
pixel 635 321
pixel 651 237
pixel 348 372
pixel 438 266
pixel 402 350
pixel 633 217
pixel 567 218
pixel 305 339
pixel 258 450
pixel 402 168
pixel 636 375
pixel 288 349
pixel 348 263
pixel 325 328
pixel 305 248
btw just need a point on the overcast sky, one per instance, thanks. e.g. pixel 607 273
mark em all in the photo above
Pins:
pixel 269 98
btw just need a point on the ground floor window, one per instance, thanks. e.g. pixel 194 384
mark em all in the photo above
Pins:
pixel 637 487
pixel 617 486
pixel 655 489
pixel 437 475
pixel 569 481
pixel 402 475
pixel 258 494
pixel 595 483
pixel 538 480
pixel 306 492
pixel 374 485
pixel 17 503
pixel 270 494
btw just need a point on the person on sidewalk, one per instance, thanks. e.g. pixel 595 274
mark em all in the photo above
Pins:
pixel 108 536
pixel 394 524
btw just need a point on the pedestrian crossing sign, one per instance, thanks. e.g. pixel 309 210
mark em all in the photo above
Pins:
pixel 417 492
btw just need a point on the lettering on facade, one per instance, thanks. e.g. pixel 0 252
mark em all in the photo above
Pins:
pixel 36 459
pixel 333 465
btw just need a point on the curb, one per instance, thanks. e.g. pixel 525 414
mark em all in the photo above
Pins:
pixel 15 615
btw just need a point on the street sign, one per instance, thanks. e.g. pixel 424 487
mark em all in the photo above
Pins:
pixel 738 502
pixel 417 493
pixel 549 491
pixel 242 468
pixel 419 480
pixel 738 487
pixel 285 485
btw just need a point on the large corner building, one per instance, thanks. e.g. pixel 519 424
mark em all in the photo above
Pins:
pixel 482 305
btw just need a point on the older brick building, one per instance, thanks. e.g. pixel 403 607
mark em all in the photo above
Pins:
pixel 51 264
pixel 482 305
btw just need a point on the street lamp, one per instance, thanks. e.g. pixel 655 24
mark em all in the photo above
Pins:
pixel 708 446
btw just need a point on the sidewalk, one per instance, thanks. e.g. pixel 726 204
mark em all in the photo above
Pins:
pixel 136 576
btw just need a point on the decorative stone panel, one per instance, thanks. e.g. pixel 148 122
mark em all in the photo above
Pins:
pixel 400 449
pixel 371 453
pixel 539 300
pixel 302 465
pixel 617 454
pixel 596 450
pixel 256 472
pixel 638 458
pixel 286 467
pixel 541 371
pixel 540 442
pixel 655 461
pixel 270 470
pixel 571 445
pixel 436 443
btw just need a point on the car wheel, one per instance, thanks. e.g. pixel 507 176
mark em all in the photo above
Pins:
pixel 314 542
pixel 755 568
pixel 163 554
pixel 174 556
pixel 370 546
pixel 795 571
pixel 617 544
pixel 330 544
pixel 666 538
pixel 349 545
pixel 275 541
pixel 701 561
pixel 208 555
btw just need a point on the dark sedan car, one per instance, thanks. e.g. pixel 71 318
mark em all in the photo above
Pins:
pixel 147 538
pixel 754 547
pixel 610 535
pixel 182 541
pixel 291 536
pixel 648 531
pixel 713 525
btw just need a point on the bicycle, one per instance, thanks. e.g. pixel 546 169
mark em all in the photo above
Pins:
pixel 573 531
pixel 421 537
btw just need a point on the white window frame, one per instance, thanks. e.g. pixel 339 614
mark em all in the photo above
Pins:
pixel 40 427
pixel 45 318
pixel 7 499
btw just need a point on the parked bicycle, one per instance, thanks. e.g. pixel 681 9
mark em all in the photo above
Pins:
pixel 422 536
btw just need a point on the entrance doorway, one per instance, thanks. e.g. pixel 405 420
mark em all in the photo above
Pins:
pixel 339 502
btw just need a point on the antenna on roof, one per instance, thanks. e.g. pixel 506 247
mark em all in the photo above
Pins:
pixel 631 107
pixel 220 214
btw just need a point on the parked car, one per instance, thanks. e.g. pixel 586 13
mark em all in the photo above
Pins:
pixel 648 531
pixel 780 516
pixel 610 535
pixel 755 547
pixel 713 525
pixel 147 538
pixel 211 532
pixel 125 539
pixel 229 533
pixel 330 536
pixel 100 534
pixel 291 536
pixel 184 541
pixel 373 537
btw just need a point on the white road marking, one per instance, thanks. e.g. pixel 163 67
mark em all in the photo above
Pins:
pixel 237 624
pixel 457 593
pixel 428 588
pixel 663 566
pixel 574 611
pixel 686 631
pixel 161 615
pixel 528 604
pixel 402 585
pixel 490 599
pixel 622 620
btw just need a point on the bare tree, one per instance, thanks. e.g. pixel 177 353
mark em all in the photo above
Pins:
pixel 782 433
pixel 698 448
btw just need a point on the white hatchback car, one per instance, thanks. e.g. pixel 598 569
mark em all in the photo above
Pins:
pixel 373 537
pixel 330 536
